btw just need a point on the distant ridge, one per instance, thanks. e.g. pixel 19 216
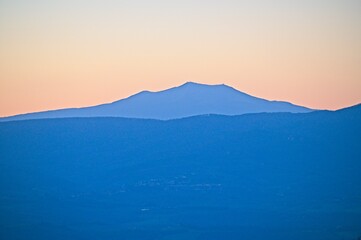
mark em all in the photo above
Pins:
pixel 189 99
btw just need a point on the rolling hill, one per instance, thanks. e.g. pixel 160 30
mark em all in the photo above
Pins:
pixel 254 176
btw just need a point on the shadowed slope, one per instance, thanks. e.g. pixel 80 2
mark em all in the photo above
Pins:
pixel 275 176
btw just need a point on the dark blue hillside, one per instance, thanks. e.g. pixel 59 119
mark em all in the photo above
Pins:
pixel 257 176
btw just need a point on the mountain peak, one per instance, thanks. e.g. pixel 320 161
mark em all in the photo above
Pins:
pixel 201 87
pixel 188 99
pixel 201 84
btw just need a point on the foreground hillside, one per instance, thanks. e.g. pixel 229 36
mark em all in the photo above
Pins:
pixel 257 176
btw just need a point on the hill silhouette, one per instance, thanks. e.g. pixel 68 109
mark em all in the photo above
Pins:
pixel 254 176
pixel 189 99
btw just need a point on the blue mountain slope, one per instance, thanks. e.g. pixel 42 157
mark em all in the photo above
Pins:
pixel 256 176
pixel 190 99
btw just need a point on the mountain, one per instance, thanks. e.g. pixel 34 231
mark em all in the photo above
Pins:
pixel 274 176
pixel 189 99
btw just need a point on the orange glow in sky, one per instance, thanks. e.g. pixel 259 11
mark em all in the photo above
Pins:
pixel 58 54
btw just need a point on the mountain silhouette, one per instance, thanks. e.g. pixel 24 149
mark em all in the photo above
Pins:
pixel 189 99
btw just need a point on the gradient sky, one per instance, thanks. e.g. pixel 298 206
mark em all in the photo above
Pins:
pixel 57 54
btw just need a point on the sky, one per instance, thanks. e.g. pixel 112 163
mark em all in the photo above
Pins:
pixel 59 54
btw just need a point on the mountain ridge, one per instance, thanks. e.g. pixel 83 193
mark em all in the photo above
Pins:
pixel 188 99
